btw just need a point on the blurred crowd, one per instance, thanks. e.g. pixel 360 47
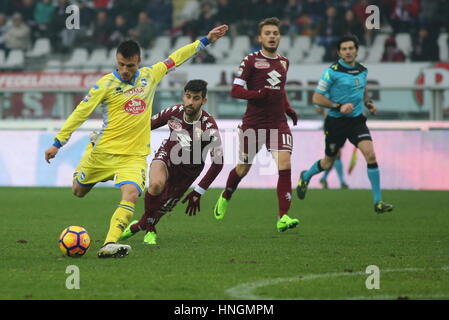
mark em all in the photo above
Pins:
pixel 104 23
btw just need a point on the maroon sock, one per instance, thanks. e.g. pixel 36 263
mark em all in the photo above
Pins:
pixel 284 190
pixel 151 215
pixel 231 185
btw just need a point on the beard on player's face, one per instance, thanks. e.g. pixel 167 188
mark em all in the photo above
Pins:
pixel 270 49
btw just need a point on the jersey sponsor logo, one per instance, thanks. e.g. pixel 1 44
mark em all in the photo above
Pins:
pixel 274 78
pixel 134 92
pixel 284 64
pixel 135 106
pixel 261 64
pixel 174 125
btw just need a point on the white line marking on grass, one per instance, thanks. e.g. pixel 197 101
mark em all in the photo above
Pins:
pixel 245 291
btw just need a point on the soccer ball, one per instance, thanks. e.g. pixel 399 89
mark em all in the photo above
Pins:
pixel 74 241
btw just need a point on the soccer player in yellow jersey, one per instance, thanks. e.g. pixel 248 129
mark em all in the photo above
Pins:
pixel 119 151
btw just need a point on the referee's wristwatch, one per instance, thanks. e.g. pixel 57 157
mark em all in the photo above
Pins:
pixel 336 106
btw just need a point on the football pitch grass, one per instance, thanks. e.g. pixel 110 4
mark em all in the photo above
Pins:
pixel 241 257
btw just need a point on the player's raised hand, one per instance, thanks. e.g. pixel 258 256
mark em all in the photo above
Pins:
pixel 347 108
pixel 194 199
pixel 217 32
pixel 50 153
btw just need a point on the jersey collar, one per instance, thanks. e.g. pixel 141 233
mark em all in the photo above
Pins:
pixel 347 66
pixel 272 58
pixel 133 80
pixel 184 117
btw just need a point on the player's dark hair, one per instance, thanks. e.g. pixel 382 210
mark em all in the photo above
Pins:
pixel 273 21
pixel 129 48
pixel 347 38
pixel 197 86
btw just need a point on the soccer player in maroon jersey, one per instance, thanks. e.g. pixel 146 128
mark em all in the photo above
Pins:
pixel 180 160
pixel 261 80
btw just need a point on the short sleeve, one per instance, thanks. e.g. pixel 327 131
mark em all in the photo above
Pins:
pixel 325 82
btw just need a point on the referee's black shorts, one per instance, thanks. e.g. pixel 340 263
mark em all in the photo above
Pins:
pixel 337 130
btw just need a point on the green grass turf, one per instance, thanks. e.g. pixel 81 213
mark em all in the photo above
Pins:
pixel 199 258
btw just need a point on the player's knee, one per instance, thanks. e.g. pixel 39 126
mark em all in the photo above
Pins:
pixel 326 164
pixel 242 170
pixel 156 188
pixel 370 157
pixel 133 196
pixel 78 192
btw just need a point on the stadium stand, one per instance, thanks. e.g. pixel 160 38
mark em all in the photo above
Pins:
pixel 301 24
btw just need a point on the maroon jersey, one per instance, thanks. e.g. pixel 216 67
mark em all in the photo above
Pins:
pixel 259 72
pixel 189 143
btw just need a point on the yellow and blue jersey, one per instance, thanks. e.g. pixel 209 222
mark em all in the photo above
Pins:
pixel 126 106
pixel 342 83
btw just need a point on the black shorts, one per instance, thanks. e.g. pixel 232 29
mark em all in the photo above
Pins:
pixel 337 130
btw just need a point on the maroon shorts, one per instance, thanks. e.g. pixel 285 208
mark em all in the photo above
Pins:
pixel 178 181
pixel 252 139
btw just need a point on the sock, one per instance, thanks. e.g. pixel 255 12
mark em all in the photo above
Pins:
pixel 231 185
pixel 325 174
pixel 284 191
pixel 119 221
pixel 374 178
pixel 339 168
pixel 314 169
pixel 151 215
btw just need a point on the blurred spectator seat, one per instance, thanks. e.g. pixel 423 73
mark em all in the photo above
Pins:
pixel 301 46
pixel 96 60
pixel 2 57
pixel 315 54
pixel 54 65
pixel 41 48
pixel 240 49
pixel 15 60
pixel 404 42
pixel 376 50
pixel 219 49
pixel 77 60
pixel 442 43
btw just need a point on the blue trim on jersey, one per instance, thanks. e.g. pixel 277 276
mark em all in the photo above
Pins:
pixel 205 41
pixel 57 143
pixel 117 185
pixel 133 80
pixel 84 184
pixel 125 206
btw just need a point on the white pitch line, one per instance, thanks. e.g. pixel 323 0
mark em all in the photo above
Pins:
pixel 245 291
